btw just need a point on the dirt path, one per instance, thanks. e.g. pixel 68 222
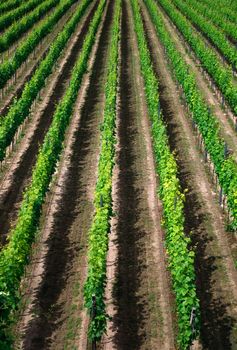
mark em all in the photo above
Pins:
pixel 225 118
pixel 19 174
pixel 208 18
pixel 211 45
pixel 216 274
pixel 140 299
pixel 25 72
pixel 190 51
pixel 6 55
pixel 112 255
pixel 55 319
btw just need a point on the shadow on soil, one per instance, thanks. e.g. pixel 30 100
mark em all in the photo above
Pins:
pixel 10 203
pixel 131 308
pixel 216 325
pixel 62 254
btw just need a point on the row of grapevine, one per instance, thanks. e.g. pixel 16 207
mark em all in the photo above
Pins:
pixel 98 234
pixel 216 37
pixel 225 167
pixel 224 9
pixel 181 258
pixel 12 16
pixel 25 23
pixel 21 107
pixel 9 5
pixel 231 4
pixel 214 16
pixel 210 61
pixel 15 255
pixel 9 67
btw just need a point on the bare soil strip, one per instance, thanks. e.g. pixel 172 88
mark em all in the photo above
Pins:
pixel 24 13
pixel 190 51
pixel 27 69
pixel 216 273
pixel 217 26
pixel 112 255
pixel 226 63
pixel 9 53
pixel 226 124
pixel 141 298
pixel 19 174
pixel 55 319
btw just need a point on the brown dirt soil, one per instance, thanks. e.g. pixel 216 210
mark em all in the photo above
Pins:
pixel 54 319
pixel 140 299
pixel 139 292
pixel 26 13
pixel 19 174
pixel 112 255
pixel 226 124
pixel 210 44
pixel 25 72
pixel 6 55
pixel 216 274
pixel 212 97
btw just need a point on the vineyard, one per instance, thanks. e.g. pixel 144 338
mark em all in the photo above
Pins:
pixel 118 174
